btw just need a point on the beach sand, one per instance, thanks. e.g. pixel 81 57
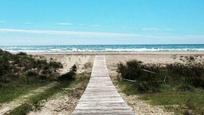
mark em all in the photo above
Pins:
pixel 114 57
pixel 150 57
pixel 68 60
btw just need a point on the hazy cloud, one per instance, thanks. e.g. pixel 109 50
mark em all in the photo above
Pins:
pixel 77 33
pixel 100 37
pixel 26 36
pixel 64 24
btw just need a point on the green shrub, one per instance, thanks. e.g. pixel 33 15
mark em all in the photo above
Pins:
pixel 69 75
pixel 190 72
pixel 147 77
pixel 55 64
pixel 26 68
pixel 21 54
pixel 131 70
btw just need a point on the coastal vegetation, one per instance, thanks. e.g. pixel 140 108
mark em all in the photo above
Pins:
pixel 20 73
pixel 26 81
pixel 25 68
pixel 178 86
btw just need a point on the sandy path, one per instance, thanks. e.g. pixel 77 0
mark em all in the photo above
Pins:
pixel 6 107
pixel 62 103
pixel 59 104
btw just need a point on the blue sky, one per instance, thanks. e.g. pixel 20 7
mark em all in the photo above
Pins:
pixel 48 22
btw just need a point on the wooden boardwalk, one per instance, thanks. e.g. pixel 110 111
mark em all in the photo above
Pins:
pixel 100 96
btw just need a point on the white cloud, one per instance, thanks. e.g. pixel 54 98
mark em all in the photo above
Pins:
pixel 77 33
pixel 104 36
pixel 64 24
pixel 19 36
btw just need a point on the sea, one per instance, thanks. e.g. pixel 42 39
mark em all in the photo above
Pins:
pixel 105 48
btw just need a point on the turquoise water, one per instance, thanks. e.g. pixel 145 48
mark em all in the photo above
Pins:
pixel 108 48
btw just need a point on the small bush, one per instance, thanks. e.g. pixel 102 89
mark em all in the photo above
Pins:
pixel 69 75
pixel 55 64
pixel 131 70
pixel 21 54
pixel 147 77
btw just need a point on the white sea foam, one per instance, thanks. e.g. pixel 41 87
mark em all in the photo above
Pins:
pixel 100 48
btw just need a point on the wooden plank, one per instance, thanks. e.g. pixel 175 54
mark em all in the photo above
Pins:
pixel 100 96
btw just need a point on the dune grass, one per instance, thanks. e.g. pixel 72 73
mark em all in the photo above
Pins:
pixel 172 100
pixel 12 91
pixel 180 102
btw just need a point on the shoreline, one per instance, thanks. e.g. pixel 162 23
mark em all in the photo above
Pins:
pixel 116 53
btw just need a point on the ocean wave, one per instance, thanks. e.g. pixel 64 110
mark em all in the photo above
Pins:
pixel 103 48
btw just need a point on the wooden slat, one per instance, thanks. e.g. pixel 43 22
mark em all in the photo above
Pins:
pixel 100 96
